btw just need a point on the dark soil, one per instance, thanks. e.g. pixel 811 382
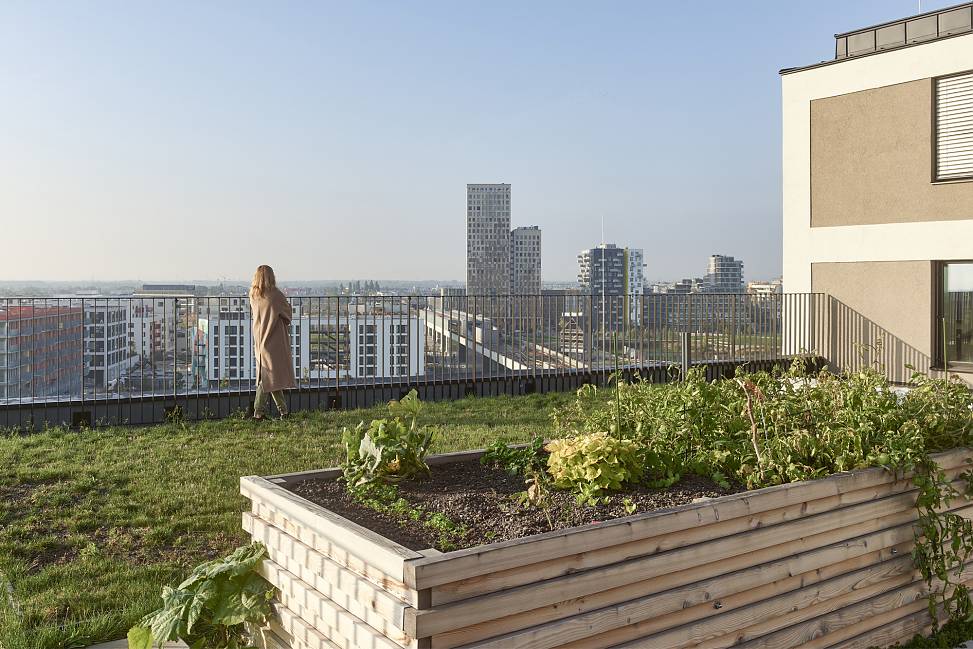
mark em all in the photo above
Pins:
pixel 480 501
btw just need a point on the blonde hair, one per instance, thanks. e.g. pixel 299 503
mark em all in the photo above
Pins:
pixel 263 281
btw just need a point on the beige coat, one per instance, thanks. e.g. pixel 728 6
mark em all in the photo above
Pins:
pixel 272 341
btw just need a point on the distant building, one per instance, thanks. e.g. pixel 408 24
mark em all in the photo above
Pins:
pixel 322 348
pixel 159 322
pixel 449 299
pixel 488 239
pixel 106 341
pixel 723 275
pixel 772 287
pixel 499 261
pixel 40 351
pixel 613 277
pixel 525 260
pixel 561 300
pixel 176 290
pixel 682 287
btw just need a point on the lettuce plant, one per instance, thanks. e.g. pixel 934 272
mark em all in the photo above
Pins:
pixel 387 450
pixel 593 464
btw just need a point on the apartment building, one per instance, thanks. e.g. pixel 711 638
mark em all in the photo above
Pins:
pixel 488 239
pixel 724 274
pixel 322 347
pixel 107 355
pixel 160 323
pixel 499 261
pixel 525 260
pixel 878 185
pixel 40 350
pixel 614 279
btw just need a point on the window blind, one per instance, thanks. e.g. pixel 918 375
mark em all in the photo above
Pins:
pixel 954 127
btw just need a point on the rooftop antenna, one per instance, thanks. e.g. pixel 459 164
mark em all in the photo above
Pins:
pixel 604 249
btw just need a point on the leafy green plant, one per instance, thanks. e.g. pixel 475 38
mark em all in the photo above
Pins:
pixel 385 499
pixel 518 460
pixel 387 449
pixel 593 464
pixel 210 608
pixel 766 428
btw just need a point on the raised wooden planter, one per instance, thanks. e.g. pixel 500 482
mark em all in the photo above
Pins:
pixel 811 564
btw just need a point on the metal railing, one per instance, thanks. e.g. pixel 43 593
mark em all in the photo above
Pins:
pixel 141 359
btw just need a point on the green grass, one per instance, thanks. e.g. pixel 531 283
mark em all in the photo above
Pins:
pixel 93 523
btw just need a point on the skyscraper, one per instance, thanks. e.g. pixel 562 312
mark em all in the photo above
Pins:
pixel 613 276
pixel 488 239
pixel 724 275
pixel 525 260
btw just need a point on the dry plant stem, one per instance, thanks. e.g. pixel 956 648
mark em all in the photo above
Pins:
pixel 753 422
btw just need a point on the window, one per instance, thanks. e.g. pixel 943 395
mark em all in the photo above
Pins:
pixel 955 322
pixel 954 127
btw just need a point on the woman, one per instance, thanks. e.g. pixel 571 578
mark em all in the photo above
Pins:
pixel 271 317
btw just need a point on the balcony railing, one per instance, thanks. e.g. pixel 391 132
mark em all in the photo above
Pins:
pixel 348 346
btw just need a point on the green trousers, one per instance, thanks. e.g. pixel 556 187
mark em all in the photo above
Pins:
pixel 260 402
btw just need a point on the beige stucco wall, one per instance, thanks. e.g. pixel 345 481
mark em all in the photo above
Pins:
pixel 888 301
pixel 871 157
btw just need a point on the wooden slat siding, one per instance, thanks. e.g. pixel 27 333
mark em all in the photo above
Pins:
pixel 287 479
pixel 842 589
pixel 433 571
pixel 267 638
pixel 302 598
pixel 846 523
pixel 781 587
pixel 892 627
pixel 358 595
pixel 692 600
pixel 798 556
pixel 472 587
pixel 779 612
pixel 323 545
pixel 287 624
pixel 689 591
pixel 461 456
pixel 293 643
pixel 306 627
pixel 835 627
pixel 351 537
pixel 344 629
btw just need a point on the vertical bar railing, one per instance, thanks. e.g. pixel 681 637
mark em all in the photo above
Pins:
pixel 107 353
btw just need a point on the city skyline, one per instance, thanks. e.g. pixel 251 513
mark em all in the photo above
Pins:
pixel 186 141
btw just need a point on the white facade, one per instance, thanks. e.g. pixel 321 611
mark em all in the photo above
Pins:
pixel 724 274
pixel 106 341
pixel 146 336
pixel 773 287
pixel 387 347
pixel 804 245
pixel 322 348
pixel 607 270
pixel 636 274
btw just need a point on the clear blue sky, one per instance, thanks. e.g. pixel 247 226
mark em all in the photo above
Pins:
pixel 195 140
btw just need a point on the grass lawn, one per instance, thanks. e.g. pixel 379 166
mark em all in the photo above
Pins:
pixel 94 522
